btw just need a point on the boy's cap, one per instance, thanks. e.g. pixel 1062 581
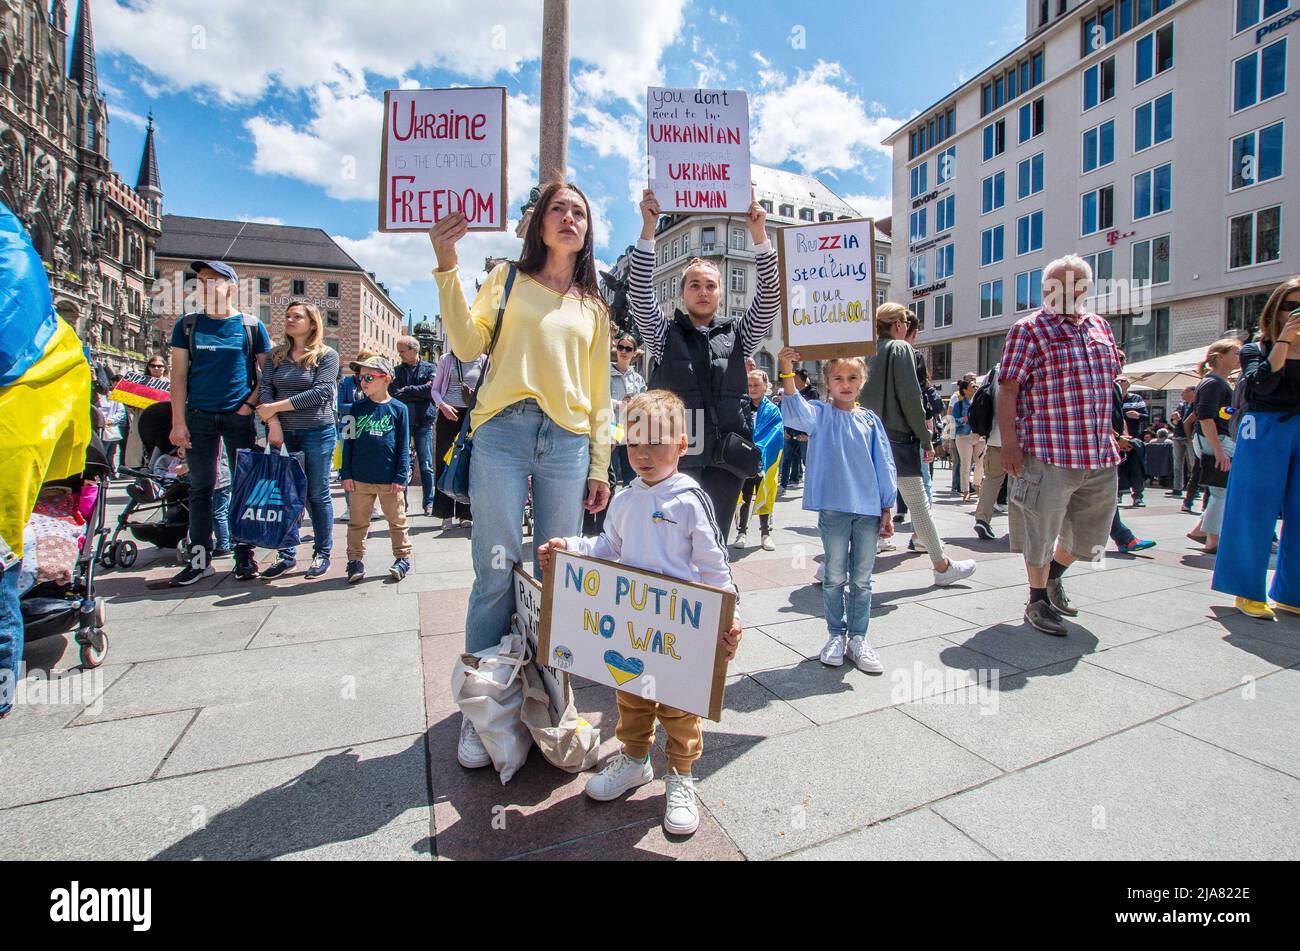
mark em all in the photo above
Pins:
pixel 372 363
pixel 225 270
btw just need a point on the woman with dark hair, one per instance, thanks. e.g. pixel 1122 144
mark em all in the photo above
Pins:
pixel 542 411
pixel 1265 466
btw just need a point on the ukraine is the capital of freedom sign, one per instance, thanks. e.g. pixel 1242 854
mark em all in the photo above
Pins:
pixel 443 152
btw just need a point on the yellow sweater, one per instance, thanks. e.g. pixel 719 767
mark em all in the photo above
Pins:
pixel 552 348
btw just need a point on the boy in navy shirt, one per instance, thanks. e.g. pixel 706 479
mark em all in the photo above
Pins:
pixel 376 463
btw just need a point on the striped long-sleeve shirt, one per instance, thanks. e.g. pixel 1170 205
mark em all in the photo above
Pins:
pixel 310 392
pixel 653 325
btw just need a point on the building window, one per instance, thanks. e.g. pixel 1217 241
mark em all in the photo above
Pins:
pixel 1103 271
pixel 991 249
pixel 1029 233
pixel 1153 54
pixel 990 300
pixel 737 281
pixel 264 313
pixel 1031 119
pixel 1260 76
pixel 1029 175
pixel 917 222
pixel 1242 313
pixel 945 213
pixel 826 216
pixel 941 361
pixel 932 132
pixel 942 311
pixel 299 288
pixel 1153 122
pixel 916 271
pixel 1016 80
pixel 880 296
pixel 1116 19
pixel 1099 146
pixel 994 190
pixel 990 352
pixel 708 238
pixel 331 318
pixel 806 214
pixel 1255 238
pixel 882 264
pixel 767 205
pixel 1153 191
pixel 946 165
pixel 738 239
pixel 995 139
pixel 1257 156
pixel 1029 290
pixel 920 179
pixel 943 260
pixel 1250 12
pixel 1151 261
pixel 1098 210
pixel 787 211
pixel 264 285
pixel 918 308
pixel 1142 336
pixel 674 287
pixel 332 290
pixel 1098 84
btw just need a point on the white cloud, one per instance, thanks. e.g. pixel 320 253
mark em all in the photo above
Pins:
pixel 133 119
pixel 403 260
pixel 262 219
pixel 815 122
pixel 871 206
pixel 620 137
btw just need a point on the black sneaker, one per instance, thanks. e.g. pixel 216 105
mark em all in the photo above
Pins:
pixel 245 568
pixel 281 566
pixel 1187 510
pixel 221 553
pixel 1043 617
pixel 1059 600
pixel 984 530
pixel 189 574
pixel 356 571
pixel 320 563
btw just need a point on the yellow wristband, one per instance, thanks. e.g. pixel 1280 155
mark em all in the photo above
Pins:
pixel 785 376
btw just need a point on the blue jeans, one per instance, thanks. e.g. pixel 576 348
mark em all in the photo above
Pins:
pixel 1120 533
pixel 1212 515
pixel 11 636
pixel 221 518
pixel 422 444
pixel 850 543
pixel 518 442
pixel 207 432
pixel 792 460
pixel 927 477
pixel 317 448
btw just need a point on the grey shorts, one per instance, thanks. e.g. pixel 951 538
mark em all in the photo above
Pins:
pixel 1049 502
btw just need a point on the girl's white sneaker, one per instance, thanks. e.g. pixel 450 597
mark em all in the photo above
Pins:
pixel 619 775
pixel 741 541
pixel 768 544
pixel 864 656
pixel 833 652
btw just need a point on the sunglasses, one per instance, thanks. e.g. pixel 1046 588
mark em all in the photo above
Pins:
pixel 622 349
pixel 157 366
pixel 371 377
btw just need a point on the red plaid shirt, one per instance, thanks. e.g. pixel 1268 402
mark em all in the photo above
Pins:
pixel 1066 373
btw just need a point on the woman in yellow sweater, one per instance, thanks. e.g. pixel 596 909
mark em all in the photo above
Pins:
pixel 543 407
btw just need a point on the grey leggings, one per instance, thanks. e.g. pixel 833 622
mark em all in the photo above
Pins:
pixel 912 489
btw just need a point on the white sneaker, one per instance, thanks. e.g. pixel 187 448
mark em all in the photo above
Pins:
pixel 619 775
pixel 833 652
pixel 470 751
pixel 681 814
pixel 864 656
pixel 885 544
pixel 1000 509
pixel 448 524
pixel 767 543
pixel 957 571
pixel 741 541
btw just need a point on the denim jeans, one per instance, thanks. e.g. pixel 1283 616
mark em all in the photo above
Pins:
pixel 850 544
pixel 11 636
pixel 518 442
pixel 421 455
pixel 1120 533
pixel 207 430
pixel 792 460
pixel 927 477
pixel 1212 515
pixel 221 518
pixel 317 448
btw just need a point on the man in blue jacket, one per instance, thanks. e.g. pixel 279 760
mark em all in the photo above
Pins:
pixel 413 386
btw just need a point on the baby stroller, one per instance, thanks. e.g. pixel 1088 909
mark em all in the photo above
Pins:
pixel 50 608
pixel 157 509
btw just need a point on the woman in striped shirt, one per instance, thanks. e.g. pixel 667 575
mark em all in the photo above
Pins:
pixel 297 406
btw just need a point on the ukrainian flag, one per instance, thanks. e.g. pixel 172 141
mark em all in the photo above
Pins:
pixel 44 388
pixel 769 436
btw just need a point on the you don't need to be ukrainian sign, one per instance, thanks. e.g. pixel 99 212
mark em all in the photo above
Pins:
pixel 443 151
pixel 697 147
pixel 636 631
pixel 828 288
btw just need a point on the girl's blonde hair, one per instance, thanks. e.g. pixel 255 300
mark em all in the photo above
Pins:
pixel 313 348
pixel 829 366
pixel 1216 350
pixel 1271 318
pixel 762 375
pixel 889 314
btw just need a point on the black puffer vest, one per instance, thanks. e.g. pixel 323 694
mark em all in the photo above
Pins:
pixel 720 346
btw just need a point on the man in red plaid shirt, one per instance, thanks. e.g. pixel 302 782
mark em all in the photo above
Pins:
pixel 1055 402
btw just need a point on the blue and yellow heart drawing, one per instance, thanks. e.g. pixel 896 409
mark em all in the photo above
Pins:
pixel 623 669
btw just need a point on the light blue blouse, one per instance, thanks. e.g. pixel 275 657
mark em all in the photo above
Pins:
pixel 850 466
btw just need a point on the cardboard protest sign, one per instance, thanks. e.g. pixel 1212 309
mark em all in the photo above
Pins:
pixel 697 141
pixel 636 631
pixel 828 288
pixel 443 151
pixel 528 607
pixel 136 389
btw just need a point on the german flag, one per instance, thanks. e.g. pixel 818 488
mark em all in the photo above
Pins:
pixel 135 389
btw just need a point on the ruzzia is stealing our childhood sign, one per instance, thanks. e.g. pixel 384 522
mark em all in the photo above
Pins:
pixel 828 288
pixel 443 152
pixel 636 631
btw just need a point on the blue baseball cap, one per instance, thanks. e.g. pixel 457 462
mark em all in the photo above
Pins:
pixel 225 270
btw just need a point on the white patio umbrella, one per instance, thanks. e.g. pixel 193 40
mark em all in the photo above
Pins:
pixel 1170 372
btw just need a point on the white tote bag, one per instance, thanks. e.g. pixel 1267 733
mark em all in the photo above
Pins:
pixel 489 690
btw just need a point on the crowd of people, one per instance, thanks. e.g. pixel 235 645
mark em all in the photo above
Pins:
pixel 658 474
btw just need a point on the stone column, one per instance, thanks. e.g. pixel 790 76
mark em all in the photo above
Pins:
pixel 553 158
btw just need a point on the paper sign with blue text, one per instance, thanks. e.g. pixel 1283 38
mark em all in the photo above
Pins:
pixel 828 288
pixel 636 631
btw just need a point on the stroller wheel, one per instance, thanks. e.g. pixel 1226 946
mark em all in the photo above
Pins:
pixel 126 554
pixel 92 654
pixel 108 557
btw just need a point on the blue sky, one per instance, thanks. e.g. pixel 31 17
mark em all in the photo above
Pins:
pixel 272 110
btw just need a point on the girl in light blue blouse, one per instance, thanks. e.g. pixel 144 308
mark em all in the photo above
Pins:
pixel 851 484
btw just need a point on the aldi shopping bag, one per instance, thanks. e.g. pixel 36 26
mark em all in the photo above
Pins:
pixel 267 496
